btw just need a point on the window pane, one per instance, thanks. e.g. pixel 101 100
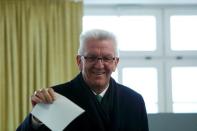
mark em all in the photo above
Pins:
pixel 144 81
pixel 137 33
pixel 151 107
pixel 134 33
pixel 183 32
pixel 185 107
pixel 184 83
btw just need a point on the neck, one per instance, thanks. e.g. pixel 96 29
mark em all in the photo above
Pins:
pixel 97 90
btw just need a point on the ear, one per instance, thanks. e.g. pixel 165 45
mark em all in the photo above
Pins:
pixel 79 62
pixel 115 64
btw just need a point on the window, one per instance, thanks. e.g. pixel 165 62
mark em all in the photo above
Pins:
pixel 158 52
pixel 180 32
pixel 143 80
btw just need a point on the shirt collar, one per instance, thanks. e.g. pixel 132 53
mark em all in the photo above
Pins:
pixel 103 92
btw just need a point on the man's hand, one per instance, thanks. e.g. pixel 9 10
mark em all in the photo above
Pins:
pixel 43 96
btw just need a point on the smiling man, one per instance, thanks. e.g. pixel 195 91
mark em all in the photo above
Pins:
pixel 118 108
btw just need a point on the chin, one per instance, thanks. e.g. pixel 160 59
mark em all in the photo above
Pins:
pixel 99 84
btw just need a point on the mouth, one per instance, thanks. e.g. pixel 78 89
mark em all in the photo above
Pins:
pixel 98 73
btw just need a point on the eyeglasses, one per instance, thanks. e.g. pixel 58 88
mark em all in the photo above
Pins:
pixel 94 59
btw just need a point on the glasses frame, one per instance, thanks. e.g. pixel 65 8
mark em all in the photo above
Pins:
pixel 95 59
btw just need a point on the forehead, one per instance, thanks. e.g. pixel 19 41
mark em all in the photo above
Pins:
pixel 94 46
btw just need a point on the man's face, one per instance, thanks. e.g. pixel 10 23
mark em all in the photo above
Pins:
pixel 97 72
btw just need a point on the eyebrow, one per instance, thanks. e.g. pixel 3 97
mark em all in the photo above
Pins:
pixel 92 54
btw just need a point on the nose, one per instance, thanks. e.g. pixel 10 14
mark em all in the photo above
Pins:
pixel 99 63
pixel 100 58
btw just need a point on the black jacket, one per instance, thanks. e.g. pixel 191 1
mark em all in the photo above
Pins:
pixel 121 109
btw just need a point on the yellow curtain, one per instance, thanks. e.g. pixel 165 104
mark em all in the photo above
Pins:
pixel 38 45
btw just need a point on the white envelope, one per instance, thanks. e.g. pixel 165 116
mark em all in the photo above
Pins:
pixel 57 115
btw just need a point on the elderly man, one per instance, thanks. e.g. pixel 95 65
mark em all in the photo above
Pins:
pixel 118 108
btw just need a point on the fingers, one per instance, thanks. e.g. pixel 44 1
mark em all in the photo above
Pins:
pixel 35 100
pixel 43 96
pixel 52 93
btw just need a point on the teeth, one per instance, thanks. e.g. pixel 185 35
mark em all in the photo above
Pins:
pixel 98 73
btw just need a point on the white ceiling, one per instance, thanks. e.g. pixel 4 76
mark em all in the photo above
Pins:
pixel 87 2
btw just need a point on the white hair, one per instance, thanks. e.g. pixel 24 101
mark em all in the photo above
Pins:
pixel 97 34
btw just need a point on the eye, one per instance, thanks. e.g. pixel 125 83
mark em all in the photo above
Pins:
pixel 92 58
pixel 107 59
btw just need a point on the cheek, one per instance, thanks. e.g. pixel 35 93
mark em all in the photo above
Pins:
pixel 86 68
pixel 110 69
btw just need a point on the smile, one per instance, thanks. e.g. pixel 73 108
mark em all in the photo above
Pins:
pixel 98 73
